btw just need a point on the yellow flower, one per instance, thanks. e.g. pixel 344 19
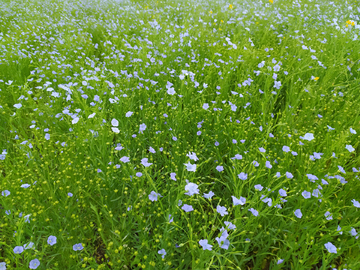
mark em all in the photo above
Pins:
pixel 271 1
pixel 231 6
pixel 221 21
pixel 316 78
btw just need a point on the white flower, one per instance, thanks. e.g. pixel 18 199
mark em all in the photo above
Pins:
pixel 355 203
pixel 192 156
pixel 128 114
pixel 276 68
pixel 308 137
pixel 75 120
pixel 350 148
pixel 114 122
pixel 171 91
pixel 91 115
pixel 142 128
pixel 145 162
pixel 28 246
pixel 115 129
pixel 190 167
pixel 192 189
pixel 277 84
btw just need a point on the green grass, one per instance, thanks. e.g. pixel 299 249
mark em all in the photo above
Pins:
pixel 69 60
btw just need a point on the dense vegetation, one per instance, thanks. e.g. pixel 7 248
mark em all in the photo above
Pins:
pixel 179 134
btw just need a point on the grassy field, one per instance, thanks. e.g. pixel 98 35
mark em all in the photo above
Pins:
pixel 179 134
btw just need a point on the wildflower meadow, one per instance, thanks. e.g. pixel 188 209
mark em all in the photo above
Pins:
pixel 197 134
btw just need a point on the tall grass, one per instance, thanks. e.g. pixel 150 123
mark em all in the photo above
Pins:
pixel 179 134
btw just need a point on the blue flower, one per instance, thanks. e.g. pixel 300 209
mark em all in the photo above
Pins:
pixel 34 264
pixel 5 193
pixel 330 247
pixel 187 208
pixel 268 164
pixel 124 159
pixel 328 215
pixel 209 195
pixel 222 241
pixel 51 240
pixel 298 213
pixel 153 196
pixel 254 212
pixel 242 176
pixel 286 148
pixel 171 219
pixel 237 156
pixel 237 201
pixel 221 210
pixel 220 168
pixel 312 177
pixel 204 244
pixel 162 252
pixel 341 169
pixel 77 247
pixel 306 194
